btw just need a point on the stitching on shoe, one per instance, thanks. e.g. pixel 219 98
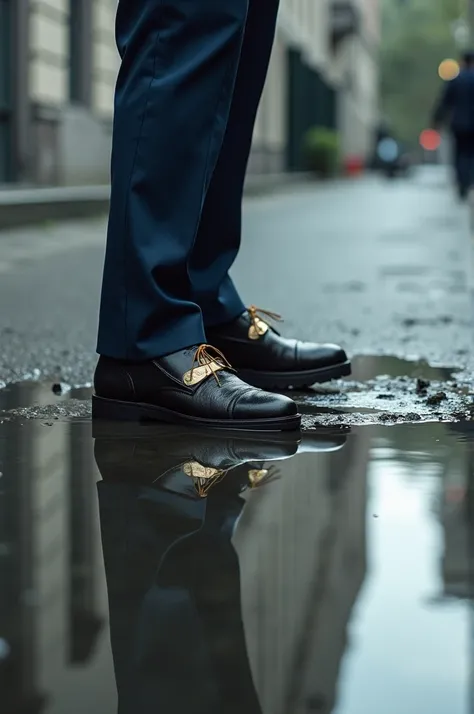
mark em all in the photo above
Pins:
pixel 172 377
pixel 131 383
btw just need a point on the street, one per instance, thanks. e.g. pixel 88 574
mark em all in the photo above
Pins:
pixel 382 267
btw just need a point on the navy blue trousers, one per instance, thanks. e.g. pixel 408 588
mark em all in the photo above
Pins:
pixel 187 94
pixel 464 161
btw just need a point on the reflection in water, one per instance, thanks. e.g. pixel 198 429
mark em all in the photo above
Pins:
pixel 221 568
pixel 261 575
pixel 173 577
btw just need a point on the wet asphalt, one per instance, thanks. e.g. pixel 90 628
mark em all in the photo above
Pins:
pixel 382 267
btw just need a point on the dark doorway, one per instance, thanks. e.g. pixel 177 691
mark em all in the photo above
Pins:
pixel 311 102
pixel 80 51
pixel 6 23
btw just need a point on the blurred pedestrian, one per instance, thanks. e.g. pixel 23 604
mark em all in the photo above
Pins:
pixel 188 89
pixel 456 109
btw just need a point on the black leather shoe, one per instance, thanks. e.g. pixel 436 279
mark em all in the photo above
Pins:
pixel 194 386
pixel 265 359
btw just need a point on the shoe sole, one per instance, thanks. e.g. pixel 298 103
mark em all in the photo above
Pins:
pixel 115 410
pixel 151 430
pixel 295 380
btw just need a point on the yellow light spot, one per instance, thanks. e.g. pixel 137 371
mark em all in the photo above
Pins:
pixel 448 69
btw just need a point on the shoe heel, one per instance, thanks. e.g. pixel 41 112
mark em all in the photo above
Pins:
pixel 113 410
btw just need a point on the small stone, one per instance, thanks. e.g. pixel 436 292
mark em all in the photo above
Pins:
pixel 422 386
pixel 436 399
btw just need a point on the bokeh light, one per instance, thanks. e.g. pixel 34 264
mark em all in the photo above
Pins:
pixel 448 69
pixel 430 139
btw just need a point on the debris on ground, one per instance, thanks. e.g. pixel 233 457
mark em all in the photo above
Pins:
pixel 436 399
pixel 422 387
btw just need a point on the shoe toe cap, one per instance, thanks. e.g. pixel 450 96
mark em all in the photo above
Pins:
pixel 258 404
pixel 312 355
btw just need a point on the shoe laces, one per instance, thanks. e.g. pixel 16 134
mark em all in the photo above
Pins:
pixel 207 355
pixel 258 315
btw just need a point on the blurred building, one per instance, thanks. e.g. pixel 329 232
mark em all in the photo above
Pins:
pixel 53 600
pixel 324 72
pixel 58 65
pixel 301 542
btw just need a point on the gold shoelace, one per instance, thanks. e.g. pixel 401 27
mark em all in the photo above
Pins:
pixel 209 360
pixel 206 477
pixel 261 477
pixel 258 321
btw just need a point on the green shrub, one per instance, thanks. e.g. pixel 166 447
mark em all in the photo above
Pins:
pixel 321 151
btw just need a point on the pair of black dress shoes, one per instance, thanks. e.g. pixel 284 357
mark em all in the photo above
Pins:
pixel 220 385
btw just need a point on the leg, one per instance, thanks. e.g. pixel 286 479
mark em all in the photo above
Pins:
pixel 173 96
pixel 174 92
pixel 218 238
pixel 470 162
pixel 461 164
pixel 261 356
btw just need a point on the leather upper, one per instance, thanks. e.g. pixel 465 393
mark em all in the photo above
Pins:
pixel 271 351
pixel 160 383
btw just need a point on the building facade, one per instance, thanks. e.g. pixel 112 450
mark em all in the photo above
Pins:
pixel 58 65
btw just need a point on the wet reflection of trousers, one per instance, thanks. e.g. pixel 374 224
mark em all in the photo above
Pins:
pixel 174 598
pixel 464 159
pixel 190 82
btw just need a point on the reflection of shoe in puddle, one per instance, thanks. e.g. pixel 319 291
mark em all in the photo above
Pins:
pixel 323 440
pixel 169 502
pixel 192 462
pixel 173 457
pixel 173 579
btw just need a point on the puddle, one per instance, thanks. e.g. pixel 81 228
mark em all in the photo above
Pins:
pixel 368 367
pixel 385 389
pixel 382 389
pixel 204 572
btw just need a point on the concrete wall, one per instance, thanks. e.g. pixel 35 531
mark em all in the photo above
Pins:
pixel 105 58
pixel 358 69
pixel 70 142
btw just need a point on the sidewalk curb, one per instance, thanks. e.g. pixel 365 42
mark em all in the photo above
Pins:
pixel 26 206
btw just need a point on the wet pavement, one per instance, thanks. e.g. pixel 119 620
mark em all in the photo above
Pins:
pixel 177 571
pixel 384 268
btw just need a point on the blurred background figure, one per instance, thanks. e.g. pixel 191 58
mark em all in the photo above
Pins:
pixel 390 156
pixel 455 108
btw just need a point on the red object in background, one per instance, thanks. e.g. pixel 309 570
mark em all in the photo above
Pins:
pixel 430 139
pixel 353 165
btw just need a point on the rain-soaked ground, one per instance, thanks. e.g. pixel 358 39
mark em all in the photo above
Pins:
pixel 214 573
